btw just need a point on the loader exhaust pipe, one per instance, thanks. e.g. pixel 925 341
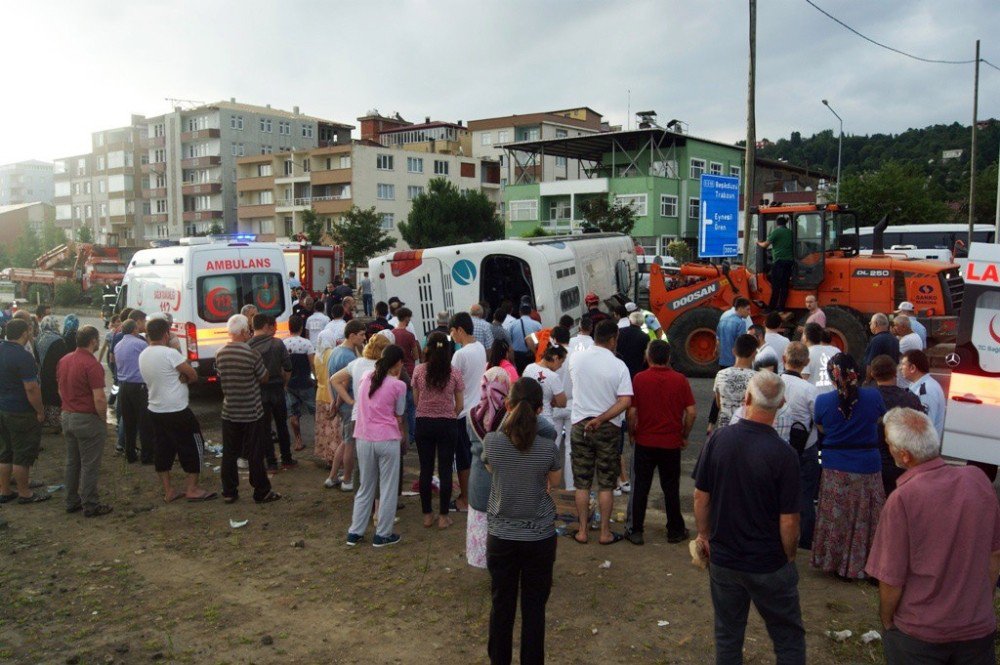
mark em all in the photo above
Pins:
pixel 878 233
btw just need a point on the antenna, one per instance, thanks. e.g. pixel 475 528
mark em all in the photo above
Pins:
pixel 189 103
pixel 628 110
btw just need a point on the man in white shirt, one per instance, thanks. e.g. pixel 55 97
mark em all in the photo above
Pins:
pixel 470 360
pixel 909 340
pixel 774 337
pixel 906 308
pixel 602 393
pixel 622 313
pixel 316 321
pixel 819 357
pixel 916 369
pixel 177 434
pixel 795 424
pixel 333 332
pixel 583 340
pixel 766 356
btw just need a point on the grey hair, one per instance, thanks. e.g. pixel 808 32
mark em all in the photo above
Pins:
pixel 636 318
pixel 247 308
pixel 237 324
pixel 903 322
pixel 767 390
pixel 912 431
pixel 880 320
pixel 476 310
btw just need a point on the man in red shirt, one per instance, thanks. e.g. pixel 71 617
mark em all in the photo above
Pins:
pixel 84 406
pixel 936 561
pixel 659 422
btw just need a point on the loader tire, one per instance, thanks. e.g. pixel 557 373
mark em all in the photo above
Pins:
pixel 692 342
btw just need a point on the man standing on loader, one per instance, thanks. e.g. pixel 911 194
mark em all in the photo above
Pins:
pixel 781 243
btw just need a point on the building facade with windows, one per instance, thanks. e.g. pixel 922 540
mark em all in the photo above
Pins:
pixel 17 217
pixel 26 182
pixel 102 189
pixel 274 190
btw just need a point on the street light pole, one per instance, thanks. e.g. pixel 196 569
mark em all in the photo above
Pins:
pixel 840 145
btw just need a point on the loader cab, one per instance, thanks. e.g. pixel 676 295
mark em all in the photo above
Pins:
pixel 816 232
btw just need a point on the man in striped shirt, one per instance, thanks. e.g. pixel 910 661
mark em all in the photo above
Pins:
pixel 241 373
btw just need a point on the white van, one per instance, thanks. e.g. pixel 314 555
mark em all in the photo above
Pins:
pixel 556 272
pixel 201 284
pixel 973 412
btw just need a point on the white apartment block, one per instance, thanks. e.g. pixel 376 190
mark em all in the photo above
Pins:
pixel 25 182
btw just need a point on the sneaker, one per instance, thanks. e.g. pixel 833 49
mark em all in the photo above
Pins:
pixel 617 491
pixel 330 483
pixel 678 537
pixel 97 510
pixel 353 539
pixel 635 537
pixel 391 539
pixel 347 487
pixel 242 463
pixel 625 487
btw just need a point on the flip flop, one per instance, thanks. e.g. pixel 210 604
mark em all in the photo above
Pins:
pixel 615 538
pixel 572 534
pixel 176 496
pixel 7 498
pixel 206 497
pixel 34 498
pixel 271 496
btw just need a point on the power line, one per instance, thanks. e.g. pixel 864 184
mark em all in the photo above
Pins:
pixel 896 50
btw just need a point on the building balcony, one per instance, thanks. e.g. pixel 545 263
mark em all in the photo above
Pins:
pixel 153 142
pixel 193 188
pixel 155 218
pixel 254 184
pixel 290 179
pixel 154 167
pixel 201 215
pixel 199 162
pixel 331 205
pixel 154 193
pixel 567 187
pixel 200 134
pixel 303 202
pixel 254 211
pixel 332 177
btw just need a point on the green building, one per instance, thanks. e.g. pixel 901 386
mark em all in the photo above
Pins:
pixel 657 171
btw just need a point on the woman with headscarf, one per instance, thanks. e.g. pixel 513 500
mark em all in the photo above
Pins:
pixel 51 348
pixel 851 494
pixel 71 324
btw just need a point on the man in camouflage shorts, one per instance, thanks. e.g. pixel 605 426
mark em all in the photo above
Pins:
pixel 602 392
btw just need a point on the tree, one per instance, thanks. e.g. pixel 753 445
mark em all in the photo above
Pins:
pixel 679 250
pixel 361 236
pixel 986 197
pixel 27 248
pixel 602 215
pixel 894 190
pixel 312 228
pixel 52 235
pixel 215 229
pixel 537 232
pixel 84 234
pixel 444 216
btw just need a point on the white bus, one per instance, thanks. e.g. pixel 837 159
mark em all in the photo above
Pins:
pixel 928 241
pixel 556 272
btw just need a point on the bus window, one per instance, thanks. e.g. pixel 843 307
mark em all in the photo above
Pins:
pixel 218 297
pixel 265 293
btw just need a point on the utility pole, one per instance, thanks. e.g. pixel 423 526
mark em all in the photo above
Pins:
pixel 750 156
pixel 972 153
pixel 996 220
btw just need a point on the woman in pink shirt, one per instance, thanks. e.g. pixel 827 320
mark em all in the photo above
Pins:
pixel 437 392
pixel 380 403
pixel 500 356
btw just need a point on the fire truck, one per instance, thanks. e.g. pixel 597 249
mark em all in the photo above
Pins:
pixel 89 265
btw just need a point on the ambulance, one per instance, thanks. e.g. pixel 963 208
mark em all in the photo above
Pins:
pixel 972 419
pixel 555 272
pixel 201 283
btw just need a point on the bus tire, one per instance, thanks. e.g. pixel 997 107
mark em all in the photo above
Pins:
pixel 692 342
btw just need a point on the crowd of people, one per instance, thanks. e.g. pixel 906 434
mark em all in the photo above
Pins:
pixel 513 409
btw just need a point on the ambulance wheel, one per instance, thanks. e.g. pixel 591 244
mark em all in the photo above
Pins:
pixel 693 341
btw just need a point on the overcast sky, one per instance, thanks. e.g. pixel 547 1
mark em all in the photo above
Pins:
pixel 74 67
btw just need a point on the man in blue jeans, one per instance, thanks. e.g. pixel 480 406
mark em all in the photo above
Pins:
pixel 746 505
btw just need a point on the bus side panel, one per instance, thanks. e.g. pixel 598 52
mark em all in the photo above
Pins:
pixel 422 288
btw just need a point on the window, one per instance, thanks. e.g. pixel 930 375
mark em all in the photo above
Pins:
pixel 159 156
pixel 88 211
pixel 524 211
pixel 162 231
pixel 415 164
pixel 388 221
pixel 383 162
pixel 77 212
pixel 266 149
pixel 306 165
pixel 161 206
pixel 735 171
pixel 103 210
pixel 561 133
pixel 289 226
pixel 413 191
pixel 560 161
pixel 440 167
pixel 560 212
pixel 285 127
pixel 345 161
pixel 636 201
pixel 102 186
pixel 81 167
pixel 694 208
pixel 158 130
pixel 236 122
pixel 194 124
pixel 715 168
pixel 697 168
pixel 76 187
pixel 86 187
pixel 386 192
pixel 668 205
pixel 100 163
pixel 289 167
pixel 265 125
pixel 264 170
pixel 307 131
pixel 265 197
pixel 570 299
pixel 503 136
pixel 218 297
pixel 198 150
pixel 487 138
pixel 467 169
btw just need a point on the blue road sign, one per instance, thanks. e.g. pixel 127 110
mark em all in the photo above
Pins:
pixel 718 228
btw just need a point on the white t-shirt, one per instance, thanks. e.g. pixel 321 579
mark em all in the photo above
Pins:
pixel 158 366
pixel 298 344
pixel 910 342
pixel 779 343
pixel 623 323
pixel 470 360
pixel 550 382
pixel 731 385
pixel 819 356
pixel 767 356
pixel 334 331
pixel 579 343
pixel 599 379
pixel 316 323
pixel 357 368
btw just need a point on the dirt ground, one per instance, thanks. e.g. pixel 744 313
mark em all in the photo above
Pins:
pixel 175 583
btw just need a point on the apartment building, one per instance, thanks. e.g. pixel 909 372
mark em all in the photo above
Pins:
pixel 17 217
pixel 102 189
pixel 190 170
pixel 275 189
pixel 25 182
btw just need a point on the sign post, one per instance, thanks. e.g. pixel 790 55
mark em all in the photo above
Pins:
pixel 718 227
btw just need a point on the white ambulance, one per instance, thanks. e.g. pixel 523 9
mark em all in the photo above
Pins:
pixel 972 419
pixel 556 272
pixel 201 283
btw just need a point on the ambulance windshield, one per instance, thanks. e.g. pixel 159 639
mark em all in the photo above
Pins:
pixel 221 296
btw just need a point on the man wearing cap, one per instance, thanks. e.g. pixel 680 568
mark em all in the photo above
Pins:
pixel 907 309
pixel 592 301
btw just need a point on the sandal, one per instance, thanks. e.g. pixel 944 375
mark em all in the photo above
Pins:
pixel 98 510
pixel 34 498
pixel 615 538
pixel 204 497
pixel 271 496
pixel 7 498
